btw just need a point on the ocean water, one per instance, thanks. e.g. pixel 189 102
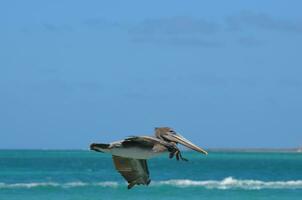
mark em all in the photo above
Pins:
pixel 86 175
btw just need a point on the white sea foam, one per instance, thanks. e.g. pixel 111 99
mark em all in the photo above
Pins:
pixel 232 183
pixel 29 185
pixel 62 185
pixel 227 183
pixel 74 184
pixel 107 184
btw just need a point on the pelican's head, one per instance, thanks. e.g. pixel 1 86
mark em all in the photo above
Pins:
pixel 169 135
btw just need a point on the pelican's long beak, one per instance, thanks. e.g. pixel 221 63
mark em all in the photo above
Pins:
pixel 180 139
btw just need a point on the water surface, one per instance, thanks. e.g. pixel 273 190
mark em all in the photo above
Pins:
pixel 85 175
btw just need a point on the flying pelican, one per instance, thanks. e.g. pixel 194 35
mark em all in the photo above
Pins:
pixel 130 155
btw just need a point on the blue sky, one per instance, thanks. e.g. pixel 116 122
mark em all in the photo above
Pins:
pixel 222 73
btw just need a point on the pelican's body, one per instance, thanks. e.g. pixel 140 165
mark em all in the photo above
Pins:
pixel 136 152
pixel 133 147
pixel 130 155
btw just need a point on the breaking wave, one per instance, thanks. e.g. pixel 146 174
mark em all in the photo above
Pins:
pixel 232 183
pixel 61 185
pixel 227 183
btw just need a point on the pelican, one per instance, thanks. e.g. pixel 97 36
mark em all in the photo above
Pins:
pixel 131 154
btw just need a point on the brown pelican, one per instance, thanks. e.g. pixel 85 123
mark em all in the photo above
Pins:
pixel 130 155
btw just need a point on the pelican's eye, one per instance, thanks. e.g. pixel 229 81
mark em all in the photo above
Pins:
pixel 173 132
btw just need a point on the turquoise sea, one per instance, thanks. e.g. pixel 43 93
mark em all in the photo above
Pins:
pixel 87 175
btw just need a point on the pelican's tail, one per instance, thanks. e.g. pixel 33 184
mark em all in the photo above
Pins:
pixel 100 147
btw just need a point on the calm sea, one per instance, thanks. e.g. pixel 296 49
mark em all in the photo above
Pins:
pixel 85 175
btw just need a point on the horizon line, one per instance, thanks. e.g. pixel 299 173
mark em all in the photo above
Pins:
pixel 229 149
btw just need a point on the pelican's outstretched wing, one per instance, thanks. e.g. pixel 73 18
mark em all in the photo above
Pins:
pixel 135 171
